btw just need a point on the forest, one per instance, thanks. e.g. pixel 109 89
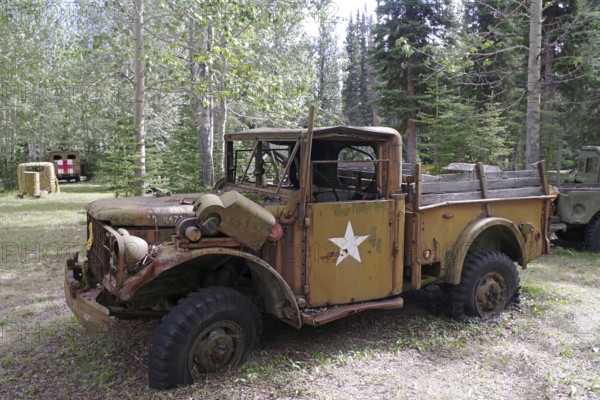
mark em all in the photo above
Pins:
pixel 146 89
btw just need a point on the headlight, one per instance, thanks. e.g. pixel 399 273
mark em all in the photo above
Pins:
pixel 135 248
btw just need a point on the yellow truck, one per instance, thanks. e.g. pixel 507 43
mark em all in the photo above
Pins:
pixel 308 226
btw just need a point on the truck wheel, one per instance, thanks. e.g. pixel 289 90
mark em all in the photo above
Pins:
pixel 488 283
pixel 213 329
pixel 592 234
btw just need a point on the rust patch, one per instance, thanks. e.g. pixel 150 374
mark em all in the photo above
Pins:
pixel 330 257
pixel 90 314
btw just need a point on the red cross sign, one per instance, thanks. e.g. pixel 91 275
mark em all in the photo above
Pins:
pixel 64 166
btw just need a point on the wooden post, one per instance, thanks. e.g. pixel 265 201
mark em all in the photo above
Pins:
pixel 306 167
pixel 484 186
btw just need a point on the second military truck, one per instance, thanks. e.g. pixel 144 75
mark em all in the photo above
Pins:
pixel 308 226
pixel 578 204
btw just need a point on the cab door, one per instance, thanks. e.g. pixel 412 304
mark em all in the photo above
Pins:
pixel 349 248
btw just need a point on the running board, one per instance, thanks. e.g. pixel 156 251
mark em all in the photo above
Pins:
pixel 323 315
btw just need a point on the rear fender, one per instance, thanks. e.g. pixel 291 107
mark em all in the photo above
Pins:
pixel 507 230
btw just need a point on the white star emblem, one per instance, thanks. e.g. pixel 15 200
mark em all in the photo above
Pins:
pixel 348 244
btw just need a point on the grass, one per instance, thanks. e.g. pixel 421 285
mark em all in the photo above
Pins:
pixel 549 349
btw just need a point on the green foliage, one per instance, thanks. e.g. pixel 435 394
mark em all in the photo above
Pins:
pixel 180 159
pixel 449 125
pixel 328 69
pixel 403 35
pixel 62 72
pixel 454 130
pixel 117 166
pixel 234 65
pixel 78 80
pixel 67 78
pixel 495 38
pixel 482 66
pixel 358 91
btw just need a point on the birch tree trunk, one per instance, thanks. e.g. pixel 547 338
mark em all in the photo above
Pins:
pixel 222 124
pixel 200 80
pixel 205 139
pixel 532 147
pixel 140 89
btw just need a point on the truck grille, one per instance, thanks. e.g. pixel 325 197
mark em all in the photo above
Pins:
pixel 100 255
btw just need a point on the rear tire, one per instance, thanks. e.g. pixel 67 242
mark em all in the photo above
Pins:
pixel 212 330
pixel 489 282
pixel 592 234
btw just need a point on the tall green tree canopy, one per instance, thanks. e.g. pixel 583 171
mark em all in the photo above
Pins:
pixel 404 30
pixel 452 77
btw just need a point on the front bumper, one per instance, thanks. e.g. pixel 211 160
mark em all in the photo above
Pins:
pixel 82 302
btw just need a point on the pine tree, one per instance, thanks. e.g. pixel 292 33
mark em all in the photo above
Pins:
pixel 453 129
pixel 118 166
pixel 351 86
pixel 404 29
pixel 328 68
pixel 359 83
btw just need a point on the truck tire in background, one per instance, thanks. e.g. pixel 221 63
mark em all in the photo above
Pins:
pixel 211 330
pixel 572 234
pixel 488 283
pixel 592 234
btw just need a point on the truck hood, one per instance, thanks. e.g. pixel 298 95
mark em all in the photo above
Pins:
pixel 143 211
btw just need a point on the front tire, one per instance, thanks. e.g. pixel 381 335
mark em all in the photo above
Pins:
pixel 211 330
pixel 488 283
pixel 592 234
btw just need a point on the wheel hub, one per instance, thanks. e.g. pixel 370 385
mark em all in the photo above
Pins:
pixel 216 347
pixel 491 294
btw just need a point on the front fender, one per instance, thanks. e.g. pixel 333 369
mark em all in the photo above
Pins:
pixel 455 257
pixel 577 208
pixel 276 294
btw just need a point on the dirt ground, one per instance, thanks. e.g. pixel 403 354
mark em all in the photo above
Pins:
pixel 547 350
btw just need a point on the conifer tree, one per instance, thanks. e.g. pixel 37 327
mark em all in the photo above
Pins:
pixel 351 86
pixel 360 81
pixel 328 68
pixel 404 26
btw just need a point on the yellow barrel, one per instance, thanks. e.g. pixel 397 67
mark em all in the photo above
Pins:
pixel 32 184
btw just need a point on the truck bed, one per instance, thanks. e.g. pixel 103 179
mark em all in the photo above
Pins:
pixel 438 204
pixel 427 190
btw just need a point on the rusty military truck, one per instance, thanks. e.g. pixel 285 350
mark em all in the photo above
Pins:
pixel 308 226
pixel 577 214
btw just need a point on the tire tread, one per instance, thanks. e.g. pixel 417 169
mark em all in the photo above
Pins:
pixel 460 294
pixel 592 234
pixel 202 305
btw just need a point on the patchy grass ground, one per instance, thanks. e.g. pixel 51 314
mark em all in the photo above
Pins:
pixel 548 350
